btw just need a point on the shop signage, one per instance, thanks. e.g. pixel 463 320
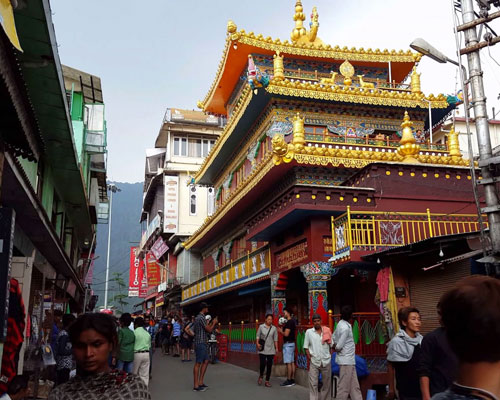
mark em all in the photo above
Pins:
pixel 160 300
pixel 7 226
pixel 152 270
pixel 136 273
pixel 159 248
pixel 292 256
pixel 171 212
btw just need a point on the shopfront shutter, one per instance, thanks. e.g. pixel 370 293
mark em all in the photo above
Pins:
pixel 427 287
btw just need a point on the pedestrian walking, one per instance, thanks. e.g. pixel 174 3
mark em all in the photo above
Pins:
pixel 348 384
pixel 201 331
pixel 318 346
pixel 126 341
pixel 438 362
pixel 64 358
pixel 403 354
pixel 142 346
pixel 288 332
pixel 93 337
pixel 176 336
pixel 186 340
pixel 151 328
pixel 166 337
pixel 471 318
pixel 267 344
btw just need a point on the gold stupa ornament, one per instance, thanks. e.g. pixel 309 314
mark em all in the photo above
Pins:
pixel 408 145
pixel 347 71
pixel 299 33
pixel 453 144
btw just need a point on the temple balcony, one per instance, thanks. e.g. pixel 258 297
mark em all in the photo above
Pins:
pixel 362 232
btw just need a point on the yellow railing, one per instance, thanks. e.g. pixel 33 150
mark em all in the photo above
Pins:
pixel 369 230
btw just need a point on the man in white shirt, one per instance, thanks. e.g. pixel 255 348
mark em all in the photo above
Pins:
pixel 318 344
pixel 346 358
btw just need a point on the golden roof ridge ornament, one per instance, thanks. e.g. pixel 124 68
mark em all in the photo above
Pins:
pixel 453 144
pixel 299 33
pixel 409 147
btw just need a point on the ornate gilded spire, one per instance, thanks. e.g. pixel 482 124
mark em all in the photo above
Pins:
pixel 299 18
pixel 408 145
pixel 453 144
pixel 299 33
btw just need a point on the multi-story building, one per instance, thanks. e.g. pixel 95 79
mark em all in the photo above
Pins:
pixel 49 197
pixel 174 207
pixel 323 162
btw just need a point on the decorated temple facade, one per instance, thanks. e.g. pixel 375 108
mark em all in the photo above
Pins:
pixel 325 159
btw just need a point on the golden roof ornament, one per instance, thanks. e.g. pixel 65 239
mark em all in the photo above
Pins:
pixel 408 145
pixel 453 143
pixel 231 26
pixel 347 71
pixel 299 33
pixel 415 82
pixel 299 134
pixel 278 67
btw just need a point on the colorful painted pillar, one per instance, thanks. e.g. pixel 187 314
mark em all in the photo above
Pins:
pixel 317 274
pixel 278 295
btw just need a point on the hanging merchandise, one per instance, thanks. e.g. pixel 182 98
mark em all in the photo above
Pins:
pixel 15 335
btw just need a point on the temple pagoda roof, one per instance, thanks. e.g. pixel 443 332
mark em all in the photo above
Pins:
pixel 239 44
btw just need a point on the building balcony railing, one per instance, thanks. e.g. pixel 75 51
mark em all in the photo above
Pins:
pixel 95 141
pixel 372 230
pixel 371 143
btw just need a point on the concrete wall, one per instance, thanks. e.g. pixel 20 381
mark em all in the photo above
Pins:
pixel 188 223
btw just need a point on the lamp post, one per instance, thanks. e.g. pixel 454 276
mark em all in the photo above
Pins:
pixel 113 189
pixel 482 129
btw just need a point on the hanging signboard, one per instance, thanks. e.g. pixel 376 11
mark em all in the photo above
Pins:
pixel 159 248
pixel 135 276
pixel 171 217
pixel 152 270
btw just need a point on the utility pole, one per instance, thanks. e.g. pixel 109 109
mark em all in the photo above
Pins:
pixel 113 189
pixel 489 180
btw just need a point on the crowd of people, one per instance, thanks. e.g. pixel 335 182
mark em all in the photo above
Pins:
pixel 459 360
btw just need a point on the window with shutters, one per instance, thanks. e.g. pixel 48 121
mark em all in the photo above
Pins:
pixel 192 200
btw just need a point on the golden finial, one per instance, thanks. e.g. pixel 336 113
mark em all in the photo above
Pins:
pixel 299 18
pixel 347 71
pixel 408 145
pixel 279 68
pixel 231 27
pixel 415 81
pixel 299 135
pixel 200 105
pixel 453 144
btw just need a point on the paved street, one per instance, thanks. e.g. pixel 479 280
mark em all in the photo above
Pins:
pixel 173 379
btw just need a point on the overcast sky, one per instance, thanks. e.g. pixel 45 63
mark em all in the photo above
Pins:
pixel 156 54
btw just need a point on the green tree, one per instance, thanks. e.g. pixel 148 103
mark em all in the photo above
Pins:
pixel 121 296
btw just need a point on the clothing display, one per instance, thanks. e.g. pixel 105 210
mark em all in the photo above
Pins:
pixel 114 385
pixel 15 335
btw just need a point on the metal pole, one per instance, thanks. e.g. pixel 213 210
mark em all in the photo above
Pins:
pixel 109 248
pixel 465 82
pixel 430 124
pixel 492 208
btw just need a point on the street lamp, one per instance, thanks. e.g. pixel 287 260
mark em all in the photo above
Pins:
pixel 113 189
pixel 423 47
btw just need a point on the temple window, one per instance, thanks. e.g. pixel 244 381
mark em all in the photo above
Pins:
pixel 192 200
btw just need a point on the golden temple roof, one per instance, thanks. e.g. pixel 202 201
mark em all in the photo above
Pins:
pixel 239 44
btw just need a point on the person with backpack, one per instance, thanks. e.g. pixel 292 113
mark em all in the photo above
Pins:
pixel 186 340
pixel 267 344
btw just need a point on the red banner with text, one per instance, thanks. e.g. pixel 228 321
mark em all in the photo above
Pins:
pixel 153 270
pixel 135 275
